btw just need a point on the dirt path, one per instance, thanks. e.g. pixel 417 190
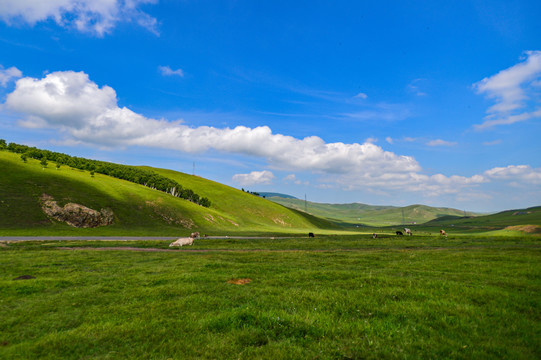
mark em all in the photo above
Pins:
pixel 186 250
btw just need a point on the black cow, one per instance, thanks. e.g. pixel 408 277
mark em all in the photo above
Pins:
pixel 311 235
pixel 399 233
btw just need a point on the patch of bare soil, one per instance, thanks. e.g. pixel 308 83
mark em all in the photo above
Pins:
pixel 240 281
pixel 111 248
pixel 530 229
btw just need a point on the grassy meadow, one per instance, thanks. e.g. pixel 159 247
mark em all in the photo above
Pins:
pixel 332 297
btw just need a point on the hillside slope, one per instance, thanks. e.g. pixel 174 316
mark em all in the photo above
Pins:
pixel 362 214
pixel 501 220
pixel 138 210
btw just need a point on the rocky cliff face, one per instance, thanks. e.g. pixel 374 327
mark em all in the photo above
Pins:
pixel 75 214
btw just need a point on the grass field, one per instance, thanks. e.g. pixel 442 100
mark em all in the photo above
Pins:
pixel 332 297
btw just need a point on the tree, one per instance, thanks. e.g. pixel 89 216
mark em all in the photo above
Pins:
pixel 24 157
pixel 3 144
pixel 43 162
pixel 57 166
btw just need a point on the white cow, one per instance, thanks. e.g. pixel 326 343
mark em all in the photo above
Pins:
pixel 182 242
pixel 407 231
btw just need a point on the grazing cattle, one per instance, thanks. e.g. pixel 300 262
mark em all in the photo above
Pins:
pixel 407 231
pixel 195 235
pixel 399 233
pixel 182 242
pixel 442 232
pixel 311 235
pixel 374 236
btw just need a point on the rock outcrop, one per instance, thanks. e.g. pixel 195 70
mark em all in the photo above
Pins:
pixel 76 215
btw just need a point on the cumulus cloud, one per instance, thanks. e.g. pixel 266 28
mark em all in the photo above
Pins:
pixel 513 90
pixel 87 113
pixel 77 106
pixel 440 142
pixel 389 140
pixel 523 173
pixel 92 16
pixel 255 177
pixel 167 71
pixel 6 75
pixel 293 178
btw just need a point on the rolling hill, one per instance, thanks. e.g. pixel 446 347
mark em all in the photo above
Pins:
pixel 525 220
pixel 138 210
pixel 369 215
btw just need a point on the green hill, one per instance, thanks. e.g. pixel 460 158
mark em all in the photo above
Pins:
pixel 138 210
pixel 370 215
pixel 526 220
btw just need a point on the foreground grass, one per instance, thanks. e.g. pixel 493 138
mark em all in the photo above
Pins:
pixel 476 298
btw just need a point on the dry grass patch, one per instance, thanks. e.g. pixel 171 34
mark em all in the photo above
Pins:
pixel 240 281
pixel 530 229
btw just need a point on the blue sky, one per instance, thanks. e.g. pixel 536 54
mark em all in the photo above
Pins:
pixel 387 102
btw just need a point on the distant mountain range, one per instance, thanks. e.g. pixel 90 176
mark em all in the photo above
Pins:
pixel 370 215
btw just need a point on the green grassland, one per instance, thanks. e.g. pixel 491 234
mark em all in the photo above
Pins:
pixel 369 215
pixel 332 297
pixel 138 210
pixel 499 221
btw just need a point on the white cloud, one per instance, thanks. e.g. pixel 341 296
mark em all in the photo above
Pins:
pixel 167 71
pixel 389 140
pixel 361 96
pixel 6 75
pixel 523 173
pixel 290 177
pixel 92 16
pixel 371 140
pixel 72 103
pixel 255 177
pixel 440 142
pixel 512 90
